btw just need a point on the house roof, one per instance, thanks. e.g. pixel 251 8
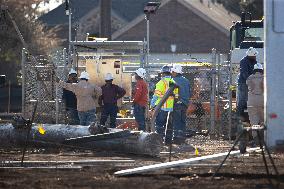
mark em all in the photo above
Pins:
pixel 220 16
pixel 123 8
pixel 214 14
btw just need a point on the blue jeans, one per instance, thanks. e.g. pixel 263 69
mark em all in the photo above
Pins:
pixel 161 121
pixel 139 114
pixel 179 120
pixel 87 117
pixel 111 111
pixel 72 116
pixel 242 98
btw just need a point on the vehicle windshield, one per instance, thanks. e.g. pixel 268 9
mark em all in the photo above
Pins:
pixel 254 34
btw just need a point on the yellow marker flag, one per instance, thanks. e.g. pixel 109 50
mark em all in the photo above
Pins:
pixel 196 151
pixel 41 129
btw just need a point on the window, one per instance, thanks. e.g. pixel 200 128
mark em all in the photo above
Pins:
pixel 116 64
pixel 254 34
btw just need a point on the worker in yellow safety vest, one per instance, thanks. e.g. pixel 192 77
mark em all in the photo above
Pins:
pixel 162 119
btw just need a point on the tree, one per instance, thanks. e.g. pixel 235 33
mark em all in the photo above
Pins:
pixel 238 6
pixel 39 41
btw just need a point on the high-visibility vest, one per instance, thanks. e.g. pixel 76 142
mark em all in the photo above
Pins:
pixel 161 88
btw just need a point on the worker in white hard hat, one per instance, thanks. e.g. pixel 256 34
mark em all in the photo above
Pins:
pixel 108 100
pixel 246 69
pixel 255 102
pixel 85 93
pixel 70 100
pixel 140 98
pixel 181 103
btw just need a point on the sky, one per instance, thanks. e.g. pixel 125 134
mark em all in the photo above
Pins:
pixel 45 7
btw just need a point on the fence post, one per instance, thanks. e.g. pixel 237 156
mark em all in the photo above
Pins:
pixel 23 81
pixel 230 100
pixel 219 90
pixel 213 92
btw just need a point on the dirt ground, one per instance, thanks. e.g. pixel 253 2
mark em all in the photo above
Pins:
pixel 245 171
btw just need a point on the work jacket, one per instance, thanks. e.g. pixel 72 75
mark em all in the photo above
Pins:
pixel 70 99
pixel 141 93
pixel 182 94
pixel 110 94
pixel 161 88
pixel 246 69
pixel 85 93
pixel 255 90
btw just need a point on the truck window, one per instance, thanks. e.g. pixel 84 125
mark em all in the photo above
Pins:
pixel 254 34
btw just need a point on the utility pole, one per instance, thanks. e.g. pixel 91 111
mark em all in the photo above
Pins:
pixel 105 19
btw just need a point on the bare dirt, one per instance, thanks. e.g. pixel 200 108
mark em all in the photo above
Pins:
pixel 244 172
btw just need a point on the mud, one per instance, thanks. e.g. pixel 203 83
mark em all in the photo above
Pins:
pixel 239 172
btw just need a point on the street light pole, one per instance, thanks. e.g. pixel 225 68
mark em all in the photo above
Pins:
pixel 69 14
pixel 150 8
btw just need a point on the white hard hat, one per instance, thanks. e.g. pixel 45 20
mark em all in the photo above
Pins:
pixel 109 77
pixel 177 68
pixel 258 66
pixel 141 72
pixel 72 71
pixel 251 52
pixel 84 75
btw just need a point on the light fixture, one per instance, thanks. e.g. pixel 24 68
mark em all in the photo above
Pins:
pixel 67 10
pixel 151 7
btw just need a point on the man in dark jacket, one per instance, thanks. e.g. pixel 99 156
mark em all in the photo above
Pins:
pixel 108 100
pixel 182 95
pixel 71 101
pixel 246 69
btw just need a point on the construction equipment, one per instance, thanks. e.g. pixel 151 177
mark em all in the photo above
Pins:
pixel 244 34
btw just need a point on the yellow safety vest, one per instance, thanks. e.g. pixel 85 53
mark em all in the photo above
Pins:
pixel 161 88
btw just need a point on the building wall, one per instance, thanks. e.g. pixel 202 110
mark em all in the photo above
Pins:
pixel 176 24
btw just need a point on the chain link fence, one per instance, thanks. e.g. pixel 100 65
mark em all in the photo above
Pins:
pixel 39 85
pixel 211 107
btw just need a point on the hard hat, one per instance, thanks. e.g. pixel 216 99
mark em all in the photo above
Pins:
pixel 177 68
pixel 165 69
pixel 141 72
pixel 258 66
pixel 72 71
pixel 251 52
pixel 84 75
pixel 109 77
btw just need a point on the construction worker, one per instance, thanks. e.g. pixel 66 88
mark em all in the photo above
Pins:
pixel 255 96
pixel 70 100
pixel 246 69
pixel 182 95
pixel 163 116
pixel 108 100
pixel 84 92
pixel 140 98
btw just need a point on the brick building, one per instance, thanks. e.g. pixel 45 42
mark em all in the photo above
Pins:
pixel 195 26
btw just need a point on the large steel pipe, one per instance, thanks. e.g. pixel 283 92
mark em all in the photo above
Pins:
pixel 141 143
